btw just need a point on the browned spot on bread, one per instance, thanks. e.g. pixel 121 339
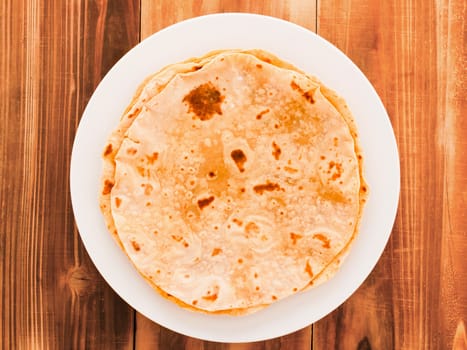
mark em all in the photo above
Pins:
pixel 338 170
pixel 334 196
pixel 242 190
pixel 290 170
pixel 177 238
pixel 148 189
pixel 237 221
pixel 204 202
pixel 274 297
pixel 324 239
pixel 135 246
pixel 211 297
pixel 294 237
pixel 152 158
pixel 323 157
pixel 308 95
pixel 364 189
pixel 267 60
pixel 185 244
pixel 276 150
pixel 136 111
pixel 260 114
pixel 252 227
pixel 239 158
pixel 295 86
pixel 194 302
pixel 259 66
pixel 118 201
pixel 308 269
pixel 131 151
pixel 195 68
pixel 335 141
pixel 141 171
pixel 295 289
pixel 108 150
pixel 240 261
pixel 108 184
pixel 268 186
pixel 204 101
pixel 216 251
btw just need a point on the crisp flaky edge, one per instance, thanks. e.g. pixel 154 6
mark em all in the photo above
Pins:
pixel 341 106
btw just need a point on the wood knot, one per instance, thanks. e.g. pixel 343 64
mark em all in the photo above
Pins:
pixel 364 344
pixel 80 281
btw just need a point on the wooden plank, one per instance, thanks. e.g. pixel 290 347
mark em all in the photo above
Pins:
pixel 52 55
pixel 152 336
pixel 414 54
pixel 156 15
pixel 452 144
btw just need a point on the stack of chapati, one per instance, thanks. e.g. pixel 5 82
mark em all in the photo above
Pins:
pixel 232 181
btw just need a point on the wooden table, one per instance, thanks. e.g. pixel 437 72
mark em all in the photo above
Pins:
pixel 54 53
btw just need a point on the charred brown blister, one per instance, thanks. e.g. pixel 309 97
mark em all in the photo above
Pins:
pixel 204 202
pixel 204 101
pixel 239 158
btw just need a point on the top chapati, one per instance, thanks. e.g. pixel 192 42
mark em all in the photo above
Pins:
pixel 233 180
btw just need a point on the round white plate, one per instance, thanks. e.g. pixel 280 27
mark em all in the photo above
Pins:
pixel 307 51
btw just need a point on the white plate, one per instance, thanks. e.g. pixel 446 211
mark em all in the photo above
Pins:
pixel 307 51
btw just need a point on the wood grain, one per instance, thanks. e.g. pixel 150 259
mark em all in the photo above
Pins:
pixel 152 336
pixel 53 54
pixel 414 54
pixel 156 15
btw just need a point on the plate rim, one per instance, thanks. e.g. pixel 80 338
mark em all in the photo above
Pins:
pixel 85 120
